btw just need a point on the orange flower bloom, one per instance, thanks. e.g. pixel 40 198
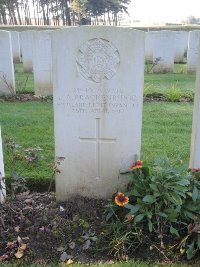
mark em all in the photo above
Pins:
pixel 136 165
pixel 121 199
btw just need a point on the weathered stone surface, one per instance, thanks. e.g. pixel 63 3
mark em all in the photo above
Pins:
pixel 195 142
pixel 15 46
pixel 26 38
pixel 7 80
pixel 98 90
pixel 42 63
pixel 163 52
pixel 180 44
pixel 192 55
pixel 149 43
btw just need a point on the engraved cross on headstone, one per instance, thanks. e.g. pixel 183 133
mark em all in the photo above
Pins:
pixel 97 140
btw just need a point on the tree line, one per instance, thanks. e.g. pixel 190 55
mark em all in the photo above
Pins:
pixel 62 12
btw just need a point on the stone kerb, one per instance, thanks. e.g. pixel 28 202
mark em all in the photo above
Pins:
pixel 2 174
pixel 98 94
pixel 163 51
pixel 42 63
pixel 192 55
pixel 26 38
pixel 7 80
pixel 195 140
pixel 15 46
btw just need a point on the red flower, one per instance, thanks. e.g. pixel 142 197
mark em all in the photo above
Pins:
pixel 121 199
pixel 136 165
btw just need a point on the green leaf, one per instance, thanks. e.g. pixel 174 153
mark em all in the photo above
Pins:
pixel 133 208
pixel 195 194
pixel 138 218
pixel 189 214
pixel 191 251
pixel 198 241
pixel 176 198
pixel 149 199
pixel 153 187
pixel 173 231
pixel 150 225
pixel 162 214
pixel 184 182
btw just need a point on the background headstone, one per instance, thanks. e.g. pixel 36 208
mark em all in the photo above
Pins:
pixel 2 174
pixel 26 38
pixel 42 63
pixel 180 44
pixel 192 55
pixel 163 51
pixel 7 79
pixel 195 142
pixel 15 46
pixel 149 42
pixel 98 94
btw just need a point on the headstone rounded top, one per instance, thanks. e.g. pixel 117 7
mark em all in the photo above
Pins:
pixel 98 60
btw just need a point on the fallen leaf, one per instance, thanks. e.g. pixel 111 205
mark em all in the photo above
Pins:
pixel 60 249
pixel 63 256
pixel 62 209
pixel 19 254
pixel 19 240
pixel 23 246
pixel 86 245
pixel 72 245
pixel 10 244
pixel 17 229
pixel 3 257
pixel 25 238
pixel 69 262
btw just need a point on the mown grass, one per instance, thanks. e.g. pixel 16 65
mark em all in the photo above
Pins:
pixel 24 81
pixel 153 83
pixel 166 130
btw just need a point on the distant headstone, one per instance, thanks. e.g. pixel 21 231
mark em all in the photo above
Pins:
pixel 15 46
pixel 163 51
pixel 149 43
pixel 193 46
pixel 7 80
pixel 180 45
pixel 98 92
pixel 42 63
pixel 2 174
pixel 195 142
pixel 26 38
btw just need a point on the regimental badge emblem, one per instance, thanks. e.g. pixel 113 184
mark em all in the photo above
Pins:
pixel 98 60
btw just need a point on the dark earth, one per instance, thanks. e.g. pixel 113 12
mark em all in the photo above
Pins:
pixel 36 229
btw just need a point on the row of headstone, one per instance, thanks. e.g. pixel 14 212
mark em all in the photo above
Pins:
pixel 164 48
pixel 98 99
pixel 161 47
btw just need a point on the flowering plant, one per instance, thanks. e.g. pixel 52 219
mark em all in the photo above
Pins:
pixel 161 202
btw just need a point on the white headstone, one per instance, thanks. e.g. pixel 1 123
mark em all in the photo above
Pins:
pixel 163 51
pixel 7 79
pixel 27 50
pixel 195 142
pixel 2 174
pixel 15 46
pixel 193 45
pixel 98 91
pixel 42 63
pixel 149 43
pixel 180 44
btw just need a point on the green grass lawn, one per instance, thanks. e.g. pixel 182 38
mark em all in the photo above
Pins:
pixel 166 130
pixel 153 83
